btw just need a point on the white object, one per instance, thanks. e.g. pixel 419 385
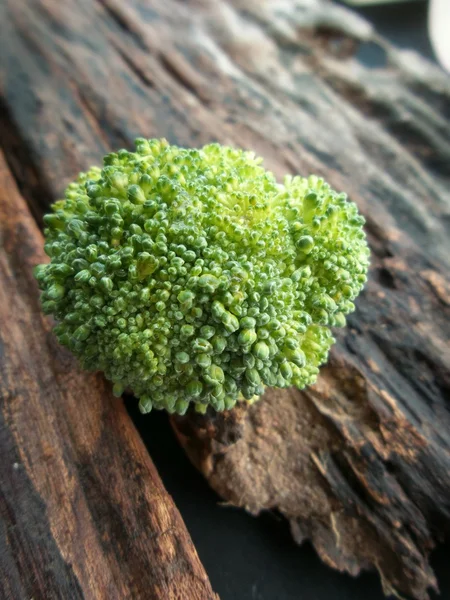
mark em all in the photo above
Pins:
pixel 439 30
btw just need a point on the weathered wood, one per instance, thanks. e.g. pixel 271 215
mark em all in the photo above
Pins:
pixel 360 463
pixel 84 513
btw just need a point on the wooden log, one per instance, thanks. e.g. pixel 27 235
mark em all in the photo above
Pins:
pixel 84 513
pixel 360 463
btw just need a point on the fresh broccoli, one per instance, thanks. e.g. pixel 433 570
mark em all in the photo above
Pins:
pixel 192 276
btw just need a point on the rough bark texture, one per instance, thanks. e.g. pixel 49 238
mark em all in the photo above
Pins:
pixel 360 463
pixel 84 514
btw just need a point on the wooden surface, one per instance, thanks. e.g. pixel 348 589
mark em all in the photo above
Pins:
pixel 84 514
pixel 360 463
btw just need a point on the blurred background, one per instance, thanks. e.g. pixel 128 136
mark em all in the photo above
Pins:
pixel 421 25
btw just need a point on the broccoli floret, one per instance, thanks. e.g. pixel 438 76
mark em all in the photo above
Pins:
pixel 191 275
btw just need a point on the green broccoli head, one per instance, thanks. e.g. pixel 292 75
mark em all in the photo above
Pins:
pixel 193 276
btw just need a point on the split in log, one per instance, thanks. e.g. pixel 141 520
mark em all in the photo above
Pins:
pixel 84 514
pixel 367 449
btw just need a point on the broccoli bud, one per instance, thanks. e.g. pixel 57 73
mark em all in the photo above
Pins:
pixel 192 276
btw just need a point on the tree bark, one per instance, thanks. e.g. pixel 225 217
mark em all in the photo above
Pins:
pixel 360 462
pixel 84 512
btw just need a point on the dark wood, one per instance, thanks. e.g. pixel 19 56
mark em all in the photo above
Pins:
pixel 359 464
pixel 84 514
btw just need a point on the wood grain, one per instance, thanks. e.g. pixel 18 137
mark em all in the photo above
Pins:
pixel 84 514
pixel 360 463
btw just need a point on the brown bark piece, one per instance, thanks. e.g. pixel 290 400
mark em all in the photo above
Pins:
pixel 84 513
pixel 359 463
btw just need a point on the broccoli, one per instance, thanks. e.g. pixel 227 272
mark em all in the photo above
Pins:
pixel 192 276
